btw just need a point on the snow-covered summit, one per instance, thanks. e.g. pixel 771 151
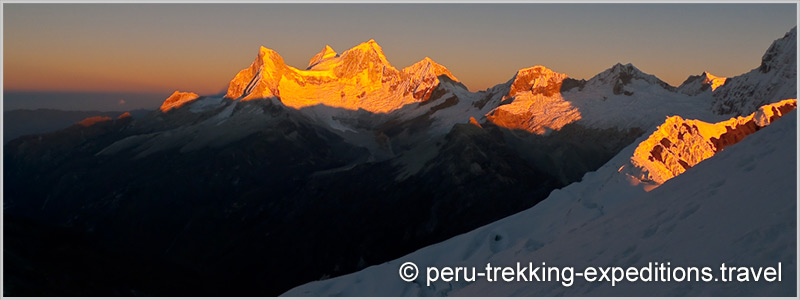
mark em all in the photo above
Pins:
pixel 619 76
pixel 359 78
pixel 697 84
pixel 536 103
pixel 538 80
pixel 780 52
pixel 427 65
pixel 325 54
pixel 539 100
pixel 178 99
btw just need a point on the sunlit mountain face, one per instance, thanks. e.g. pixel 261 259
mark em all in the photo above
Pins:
pixel 679 144
pixel 536 104
pixel 344 164
pixel 177 99
pixel 359 78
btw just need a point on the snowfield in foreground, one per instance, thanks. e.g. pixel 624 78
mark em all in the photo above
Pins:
pixel 737 207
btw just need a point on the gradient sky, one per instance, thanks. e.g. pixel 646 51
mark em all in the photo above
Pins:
pixel 200 47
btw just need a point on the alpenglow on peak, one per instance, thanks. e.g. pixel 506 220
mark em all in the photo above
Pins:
pixel 358 78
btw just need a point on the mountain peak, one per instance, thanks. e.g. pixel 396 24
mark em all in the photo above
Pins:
pixel 268 58
pixel 369 49
pixel 697 84
pixel 714 81
pixel 326 53
pixel 537 106
pixel 430 61
pixel 266 52
pixel 620 65
pixel 365 56
pixel 370 45
pixel 537 79
pixel 619 75
pixel 627 68
pixel 178 99
pixel 781 52
pixel 428 65
pixel 267 67
pixel 359 78
pixel 775 78
pixel 537 69
pixel 619 70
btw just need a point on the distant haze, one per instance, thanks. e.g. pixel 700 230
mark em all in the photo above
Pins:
pixel 68 100
pixel 158 48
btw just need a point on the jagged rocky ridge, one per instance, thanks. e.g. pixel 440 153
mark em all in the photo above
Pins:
pixel 679 144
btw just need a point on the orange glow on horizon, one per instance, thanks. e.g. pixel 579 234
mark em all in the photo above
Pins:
pixel 163 47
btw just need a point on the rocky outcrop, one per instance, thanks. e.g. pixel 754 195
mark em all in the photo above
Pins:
pixel 680 144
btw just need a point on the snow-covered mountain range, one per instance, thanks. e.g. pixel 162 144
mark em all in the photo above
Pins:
pixel 359 92
pixel 350 162
pixel 656 200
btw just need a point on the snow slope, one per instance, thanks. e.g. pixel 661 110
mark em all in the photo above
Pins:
pixel 737 207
